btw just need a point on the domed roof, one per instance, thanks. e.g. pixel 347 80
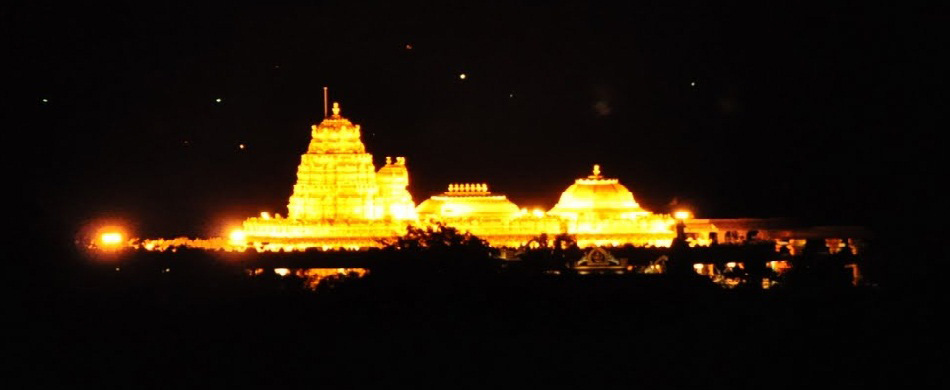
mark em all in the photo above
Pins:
pixel 467 201
pixel 335 134
pixel 597 197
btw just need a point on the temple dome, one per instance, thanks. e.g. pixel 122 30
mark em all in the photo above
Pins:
pixel 598 198
pixel 467 201
pixel 335 134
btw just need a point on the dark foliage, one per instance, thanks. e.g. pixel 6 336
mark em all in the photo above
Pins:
pixel 437 307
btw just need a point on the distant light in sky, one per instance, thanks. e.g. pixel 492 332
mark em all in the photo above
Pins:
pixel 511 95
pixel 602 108
pixel 408 46
pixel 241 146
pixel 45 100
pixel 692 84
pixel 462 76
pixel 218 100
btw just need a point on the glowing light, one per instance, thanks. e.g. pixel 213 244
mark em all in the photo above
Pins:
pixel 682 214
pixel 340 200
pixel 692 84
pixel 218 100
pixel 241 146
pixel 462 76
pixel 237 236
pixel 110 239
pixel 282 271
pixel 45 101
pixel 339 194
pixel 731 264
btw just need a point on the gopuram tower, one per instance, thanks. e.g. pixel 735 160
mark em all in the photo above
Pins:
pixel 339 199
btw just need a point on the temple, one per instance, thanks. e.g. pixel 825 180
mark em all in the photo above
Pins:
pixel 340 200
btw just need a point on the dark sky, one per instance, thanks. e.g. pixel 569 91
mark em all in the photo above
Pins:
pixel 824 113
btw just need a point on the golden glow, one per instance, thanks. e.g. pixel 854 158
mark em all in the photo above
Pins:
pixel 110 238
pixel 682 214
pixel 469 201
pixel 237 236
pixel 282 271
pixel 595 197
pixel 340 200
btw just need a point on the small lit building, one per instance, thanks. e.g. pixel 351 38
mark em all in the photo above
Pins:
pixel 468 201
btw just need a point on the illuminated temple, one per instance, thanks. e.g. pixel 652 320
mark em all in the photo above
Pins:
pixel 340 200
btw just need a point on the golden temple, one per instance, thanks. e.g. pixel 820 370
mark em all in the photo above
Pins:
pixel 341 200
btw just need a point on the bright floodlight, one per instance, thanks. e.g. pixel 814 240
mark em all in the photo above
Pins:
pixel 237 235
pixel 682 215
pixel 111 238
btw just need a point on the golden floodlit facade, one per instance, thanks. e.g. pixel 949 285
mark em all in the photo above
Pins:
pixel 341 200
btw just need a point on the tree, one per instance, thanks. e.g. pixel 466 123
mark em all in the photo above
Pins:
pixel 439 248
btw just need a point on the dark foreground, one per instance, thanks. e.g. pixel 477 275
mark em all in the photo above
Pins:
pixel 212 325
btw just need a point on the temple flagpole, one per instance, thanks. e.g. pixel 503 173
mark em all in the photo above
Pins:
pixel 324 102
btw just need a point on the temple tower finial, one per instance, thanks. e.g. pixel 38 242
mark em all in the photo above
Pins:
pixel 336 109
pixel 596 170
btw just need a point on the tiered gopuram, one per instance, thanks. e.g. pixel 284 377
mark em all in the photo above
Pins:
pixel 339 200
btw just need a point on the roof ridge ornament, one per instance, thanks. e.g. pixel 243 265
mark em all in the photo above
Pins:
pixel 596 174
pixel 336 109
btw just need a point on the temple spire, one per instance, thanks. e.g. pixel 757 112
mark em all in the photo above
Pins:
pixel 336 109
pixel 596 170
pixel 325 113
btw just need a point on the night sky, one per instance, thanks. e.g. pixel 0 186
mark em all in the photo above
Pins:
pixel 820 113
